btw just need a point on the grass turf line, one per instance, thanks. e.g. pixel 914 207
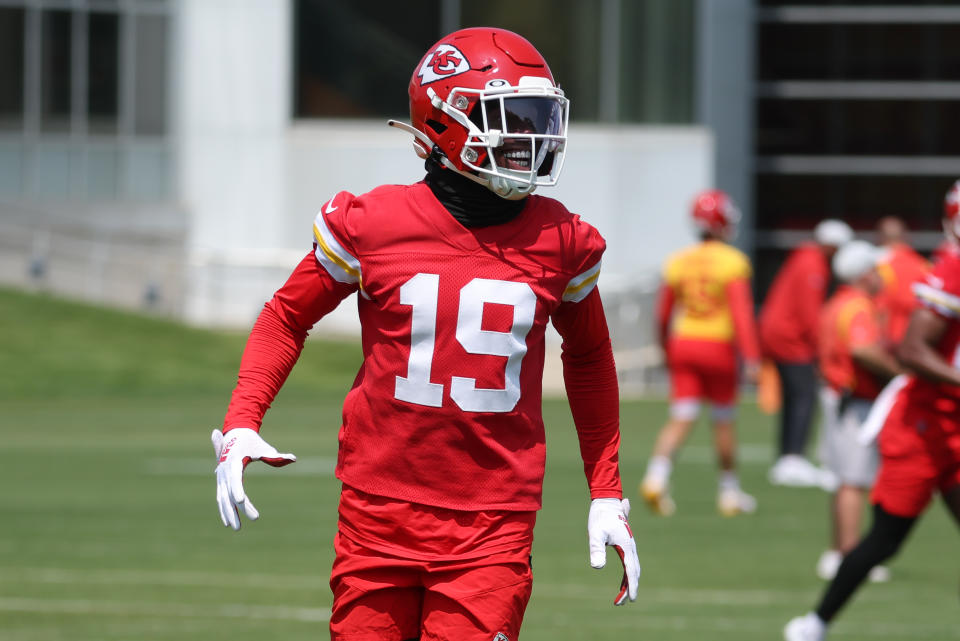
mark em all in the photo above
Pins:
pixel 95 544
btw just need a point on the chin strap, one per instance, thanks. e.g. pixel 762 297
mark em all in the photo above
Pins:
pixel 501 186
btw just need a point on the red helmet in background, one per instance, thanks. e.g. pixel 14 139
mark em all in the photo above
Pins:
pixel 714 213
pixel 951 212
pixel 485 98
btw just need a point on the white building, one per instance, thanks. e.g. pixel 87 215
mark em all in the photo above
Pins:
pixel 172 153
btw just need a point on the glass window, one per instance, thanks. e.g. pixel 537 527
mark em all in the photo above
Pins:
pixel 565 32
pixel 657 33
pixel 858 51
pixel 55 70
pixel 657 61
pixel 878 127
pixel 799 202
pixel 103 72
pixel 11 68
pixel 846 3
pixel 355 59
pixel 150 74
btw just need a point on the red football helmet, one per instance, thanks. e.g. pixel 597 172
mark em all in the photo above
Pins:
pixel 951 212
pixel 485 98
pixel 714 213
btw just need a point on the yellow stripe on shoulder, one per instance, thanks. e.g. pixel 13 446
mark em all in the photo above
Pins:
pixel 580 286
pixel 942 301
pixel 338 262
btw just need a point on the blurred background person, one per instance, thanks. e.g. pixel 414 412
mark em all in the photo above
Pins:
pixel 704 319
pixel 788 335
pixel 900 266
pixel 854 364
pixel 951 203
pixel 920 440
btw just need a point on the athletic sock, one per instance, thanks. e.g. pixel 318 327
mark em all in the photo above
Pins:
pixel 729 481
pixel 659 468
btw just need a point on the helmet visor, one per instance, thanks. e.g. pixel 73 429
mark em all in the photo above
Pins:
pixel 531 129
pixel 525 115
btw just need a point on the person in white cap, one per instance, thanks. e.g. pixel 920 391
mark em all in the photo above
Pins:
pixel 854 365
pixel 788 337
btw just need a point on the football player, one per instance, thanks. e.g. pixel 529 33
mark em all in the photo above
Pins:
pixel 788 335
pixel 901 266
pixel 920 440
pixel 704 321
pixel 949 244
pixel 441 449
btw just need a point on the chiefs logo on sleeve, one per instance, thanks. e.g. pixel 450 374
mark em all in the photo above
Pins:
pixel 444 62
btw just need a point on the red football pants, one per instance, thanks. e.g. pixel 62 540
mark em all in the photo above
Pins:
pixel 919 454
pixel 380 597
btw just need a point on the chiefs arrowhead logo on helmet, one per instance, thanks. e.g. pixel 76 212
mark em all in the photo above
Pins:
pixel 446 61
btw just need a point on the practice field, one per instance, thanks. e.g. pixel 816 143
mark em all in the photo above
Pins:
pixel 109 529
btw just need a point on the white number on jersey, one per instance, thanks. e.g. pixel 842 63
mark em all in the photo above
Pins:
pixel 422 292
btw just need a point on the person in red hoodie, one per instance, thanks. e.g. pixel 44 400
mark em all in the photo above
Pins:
pixel 788 335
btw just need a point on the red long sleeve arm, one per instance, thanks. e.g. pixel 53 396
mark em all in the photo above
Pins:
pixel 590 377
pixel 744 325
pixel 277 338
pixel 665 302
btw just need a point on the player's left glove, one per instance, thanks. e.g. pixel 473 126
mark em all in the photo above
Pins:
pixel 234 450
pixel 607 525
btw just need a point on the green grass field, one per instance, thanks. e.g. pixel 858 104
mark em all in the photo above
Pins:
pixel 109 530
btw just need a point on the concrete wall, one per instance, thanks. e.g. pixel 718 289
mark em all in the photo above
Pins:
pixel 231 111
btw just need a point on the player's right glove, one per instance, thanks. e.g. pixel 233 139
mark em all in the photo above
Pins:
pixel 234 450
pixel 607 525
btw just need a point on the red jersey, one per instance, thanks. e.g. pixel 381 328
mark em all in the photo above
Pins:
pixel 900 269
pixel 946 246
pixel 848 320
pixel 940 293
pixel 789 316
pixel 446 408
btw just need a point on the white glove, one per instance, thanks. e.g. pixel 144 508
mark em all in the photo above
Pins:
pixel 234 450
pixel 607 525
